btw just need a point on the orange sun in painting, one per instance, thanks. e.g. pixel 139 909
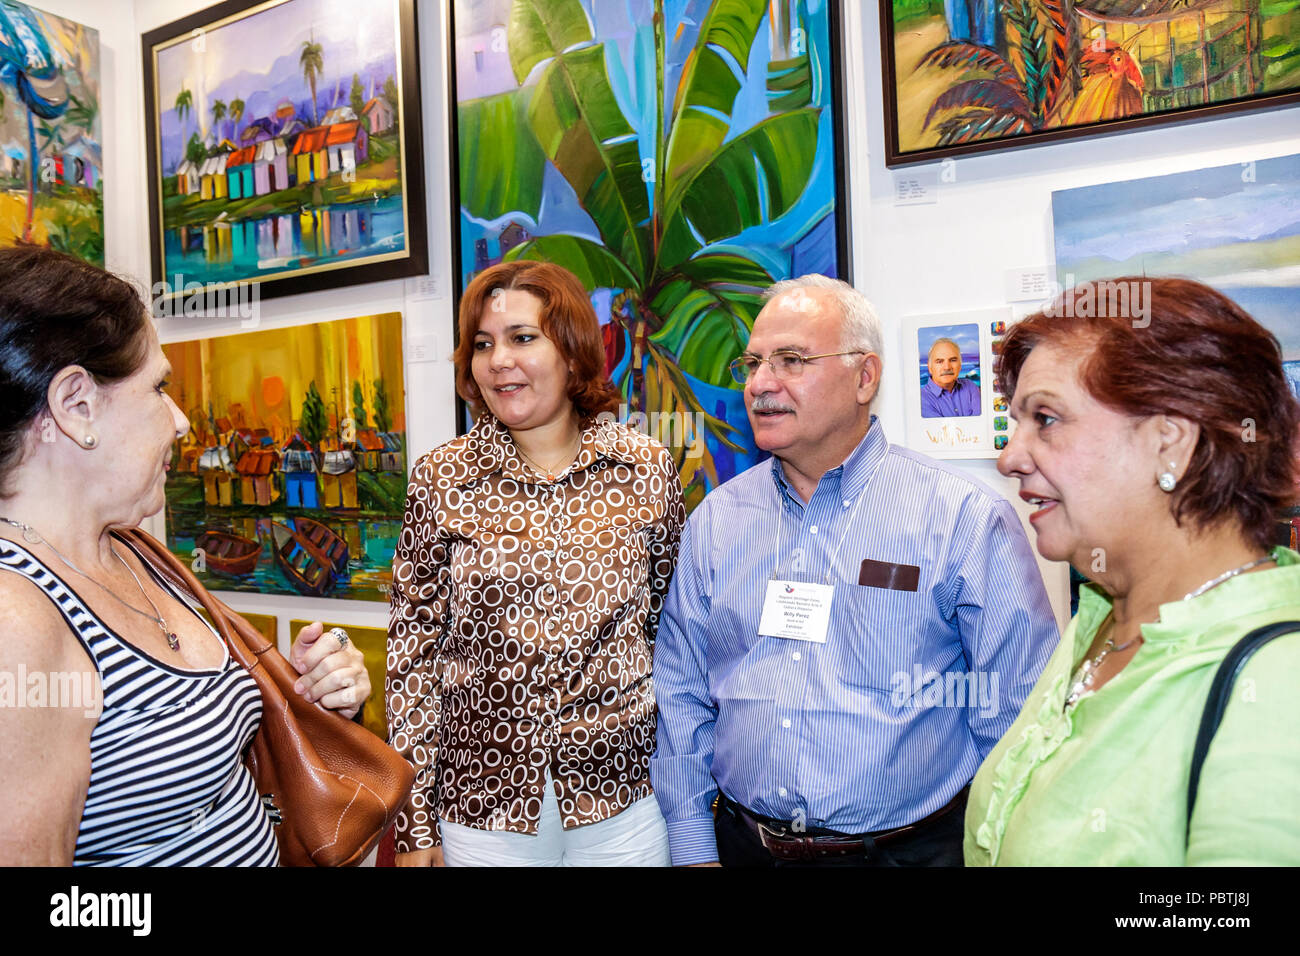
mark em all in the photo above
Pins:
pixel 272 391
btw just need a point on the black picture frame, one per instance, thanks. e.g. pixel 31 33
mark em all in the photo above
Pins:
pixel 897 156
pixel 413 260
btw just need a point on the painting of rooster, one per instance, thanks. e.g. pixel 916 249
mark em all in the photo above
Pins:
pixel 964 76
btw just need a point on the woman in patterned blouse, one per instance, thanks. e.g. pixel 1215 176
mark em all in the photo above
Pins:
pixel 534 558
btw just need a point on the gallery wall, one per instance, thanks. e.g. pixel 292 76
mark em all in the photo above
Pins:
pixel 991 214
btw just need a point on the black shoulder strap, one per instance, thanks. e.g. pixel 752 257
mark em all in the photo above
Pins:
pixel 1221 692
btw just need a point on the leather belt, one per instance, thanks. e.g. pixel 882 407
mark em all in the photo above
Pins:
pixel 779 841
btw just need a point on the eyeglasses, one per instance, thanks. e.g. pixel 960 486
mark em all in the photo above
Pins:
pixel 786 364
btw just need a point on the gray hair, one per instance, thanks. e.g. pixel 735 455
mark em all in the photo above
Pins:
pixel 861 324
pixel 942 341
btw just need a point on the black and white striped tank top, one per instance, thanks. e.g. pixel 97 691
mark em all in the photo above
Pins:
pixel 167 785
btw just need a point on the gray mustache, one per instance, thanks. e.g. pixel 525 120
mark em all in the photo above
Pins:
pixel 765 403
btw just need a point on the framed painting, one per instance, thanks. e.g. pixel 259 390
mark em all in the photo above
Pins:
pixel 1236 228
pixel 292 479
pixel 51 160
pixel 284 147
pixel 967 76
pixel 679 156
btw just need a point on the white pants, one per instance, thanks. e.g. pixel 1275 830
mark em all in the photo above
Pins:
pixel 636 837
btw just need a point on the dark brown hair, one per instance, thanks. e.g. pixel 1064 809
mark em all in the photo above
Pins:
pixel 567 319
pixel 1195 354
pixel 56 311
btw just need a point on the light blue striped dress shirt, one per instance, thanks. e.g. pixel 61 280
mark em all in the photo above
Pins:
pixel 888 719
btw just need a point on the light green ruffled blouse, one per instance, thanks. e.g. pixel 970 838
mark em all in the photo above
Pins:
pixel 1105 783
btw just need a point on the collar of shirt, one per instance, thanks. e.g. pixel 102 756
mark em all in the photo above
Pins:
pixel 937 390
pixel 1233 599
pixel 852 475
pixel 493 449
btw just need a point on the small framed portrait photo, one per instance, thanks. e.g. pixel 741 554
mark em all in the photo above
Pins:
pixel 951 397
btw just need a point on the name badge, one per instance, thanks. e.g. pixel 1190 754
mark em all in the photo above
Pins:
pixel 797 610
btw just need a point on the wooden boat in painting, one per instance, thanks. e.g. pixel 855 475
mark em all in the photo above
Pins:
pixel 227 553
pixel 307 569
pixel 325 541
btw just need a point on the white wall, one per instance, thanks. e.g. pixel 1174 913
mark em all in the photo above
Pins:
pixel 952 255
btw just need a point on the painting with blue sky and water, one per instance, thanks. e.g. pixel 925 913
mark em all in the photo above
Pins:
pixel 280 143
pixel 1236 228
pixel 679 156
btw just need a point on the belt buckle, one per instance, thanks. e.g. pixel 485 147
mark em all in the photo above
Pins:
pixel 785 846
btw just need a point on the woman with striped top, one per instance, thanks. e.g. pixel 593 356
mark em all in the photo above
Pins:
pixel 123 718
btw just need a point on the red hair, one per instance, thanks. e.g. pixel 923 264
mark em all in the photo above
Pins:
pixel 567 319
pixel 1194 354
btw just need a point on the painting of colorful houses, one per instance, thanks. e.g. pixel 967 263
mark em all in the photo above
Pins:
pixel 51 159
pixel 279 148
pixel 964 75
pixel 292 478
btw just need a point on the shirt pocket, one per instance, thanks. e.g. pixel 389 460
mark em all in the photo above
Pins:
pixel 880 636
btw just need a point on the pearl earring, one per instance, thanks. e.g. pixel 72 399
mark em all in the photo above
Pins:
pixel 1167 481
pixel 90 441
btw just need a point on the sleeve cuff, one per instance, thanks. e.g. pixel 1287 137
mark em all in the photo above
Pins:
pixel 692 841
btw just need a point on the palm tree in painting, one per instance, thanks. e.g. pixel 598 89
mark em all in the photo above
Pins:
pixel 28 66
pixel 218 114
pixel 684 307
pixel 184 104
pixel 312 61
pixel 236 114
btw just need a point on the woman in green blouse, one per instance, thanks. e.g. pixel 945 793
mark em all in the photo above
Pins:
pixel 1158 447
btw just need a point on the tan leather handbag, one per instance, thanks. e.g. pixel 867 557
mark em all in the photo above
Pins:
pixel 337 787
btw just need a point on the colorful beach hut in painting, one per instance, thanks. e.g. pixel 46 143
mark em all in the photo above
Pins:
pixel 346 145
pixel 298 466
pixel 390 459
pixel 239 172
pixel 212 178
pixel 309 157
pixel 339 479
pixel 377 114
pixel 367 448
pixel 218 477
pixel 271 166
pixel 187 178
pixel 256 471
pixel 82 161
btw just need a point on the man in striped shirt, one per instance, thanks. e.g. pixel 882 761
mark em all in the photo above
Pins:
pixel 851 627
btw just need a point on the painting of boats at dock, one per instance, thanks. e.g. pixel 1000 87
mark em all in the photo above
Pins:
pixel 292 478
pixel 285 147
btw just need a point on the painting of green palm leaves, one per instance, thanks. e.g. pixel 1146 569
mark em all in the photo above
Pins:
pixel 679 156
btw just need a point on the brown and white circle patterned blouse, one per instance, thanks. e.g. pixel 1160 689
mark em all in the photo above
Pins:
pixel 523 613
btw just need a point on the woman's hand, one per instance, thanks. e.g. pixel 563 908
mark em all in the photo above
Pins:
pixel 429 857
pixel 333 676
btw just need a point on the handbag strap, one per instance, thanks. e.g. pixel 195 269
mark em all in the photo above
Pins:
pixel 243 647
pixel 1221 693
